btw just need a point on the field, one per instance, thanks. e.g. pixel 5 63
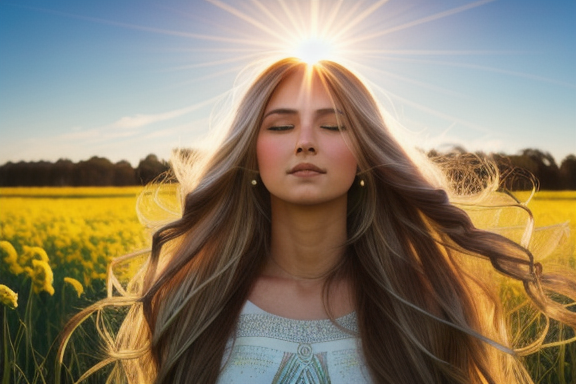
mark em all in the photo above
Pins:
pixel 56 244
pixel 62 241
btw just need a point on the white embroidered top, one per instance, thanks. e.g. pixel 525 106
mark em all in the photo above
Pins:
pixel 271 349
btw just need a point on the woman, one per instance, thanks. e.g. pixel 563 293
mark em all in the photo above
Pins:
pixel 313 249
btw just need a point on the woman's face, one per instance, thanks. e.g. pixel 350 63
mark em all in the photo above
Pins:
pixel 303 157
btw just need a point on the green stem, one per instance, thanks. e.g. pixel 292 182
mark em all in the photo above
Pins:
pixel 28 326
pixel 561 358
pixel 7 368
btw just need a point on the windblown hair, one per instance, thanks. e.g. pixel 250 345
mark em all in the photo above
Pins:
pixel 423 317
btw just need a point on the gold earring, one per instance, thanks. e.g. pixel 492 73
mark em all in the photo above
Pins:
pixel 361 182
pixel 254 182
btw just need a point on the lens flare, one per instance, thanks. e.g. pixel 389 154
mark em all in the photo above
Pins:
pixel 362 35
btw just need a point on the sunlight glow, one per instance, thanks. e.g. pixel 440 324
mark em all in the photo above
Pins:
pixel 355 34
pixel 313 50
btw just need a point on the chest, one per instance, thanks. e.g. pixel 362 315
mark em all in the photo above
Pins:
pixel 300 300
pixel 270 349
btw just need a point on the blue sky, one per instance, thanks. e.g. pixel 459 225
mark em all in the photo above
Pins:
pixel 125 78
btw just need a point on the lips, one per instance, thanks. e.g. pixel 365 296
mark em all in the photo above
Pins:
pixel 305 168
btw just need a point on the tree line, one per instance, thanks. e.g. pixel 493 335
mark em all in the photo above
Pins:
pixel 99 171
pixel 523 171
pixel 96 171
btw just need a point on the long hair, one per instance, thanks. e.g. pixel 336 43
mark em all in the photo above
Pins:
pixel 422 315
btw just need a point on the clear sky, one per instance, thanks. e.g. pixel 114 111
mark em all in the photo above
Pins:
pixel 125 78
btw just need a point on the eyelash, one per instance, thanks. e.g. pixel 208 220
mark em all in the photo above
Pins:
pixel 287 127
pixel 280 127
pixel 332 127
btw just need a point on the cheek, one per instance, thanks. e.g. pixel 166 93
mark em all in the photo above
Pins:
pixel 346 161
pixel 267 154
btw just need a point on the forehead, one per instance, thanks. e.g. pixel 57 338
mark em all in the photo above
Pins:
pixel 301 90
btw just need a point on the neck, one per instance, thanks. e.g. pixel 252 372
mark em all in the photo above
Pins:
pixel 307 241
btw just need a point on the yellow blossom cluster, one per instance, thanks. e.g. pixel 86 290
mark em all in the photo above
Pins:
pixel 34 262
pixel 42 277
pixel 8 297
pixel 81 229
pixel 10 258
pixel 75 284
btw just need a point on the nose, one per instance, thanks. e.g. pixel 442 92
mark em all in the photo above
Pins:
pixel 306 143
pixel 305 149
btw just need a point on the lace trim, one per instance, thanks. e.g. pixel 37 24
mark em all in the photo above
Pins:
pixel 299 331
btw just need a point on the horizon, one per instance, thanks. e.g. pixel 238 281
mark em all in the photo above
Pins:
pixel 124 80
pixel 167 160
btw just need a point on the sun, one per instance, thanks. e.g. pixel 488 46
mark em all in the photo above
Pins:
pixel 354 34
pixel 313 50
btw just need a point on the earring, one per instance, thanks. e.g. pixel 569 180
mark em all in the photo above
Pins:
pixel 254 182
pixel 362 182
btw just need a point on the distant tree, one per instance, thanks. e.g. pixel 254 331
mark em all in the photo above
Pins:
pixel 6 174
pixel 97 171
pixel 62 173
pixel 521 171
pixel 150 168
pixel 27 174
pixel 568 172
pixel 124 174
pixel 517 173
pixel 41 171
pixel 531 167
pixel 547 171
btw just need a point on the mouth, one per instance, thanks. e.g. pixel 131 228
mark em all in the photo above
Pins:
pixel 306 169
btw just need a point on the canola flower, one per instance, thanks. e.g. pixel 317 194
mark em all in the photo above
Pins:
pixel 35 262
pixel 42 277
pixel 49 238
pixel 10 257
pixel 8 297
pixel 30 255
pixel 37 253
pixel 75 284
pixel 81 229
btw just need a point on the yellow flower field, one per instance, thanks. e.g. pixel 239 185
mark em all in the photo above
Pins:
pixel 56 244
pixel 81 229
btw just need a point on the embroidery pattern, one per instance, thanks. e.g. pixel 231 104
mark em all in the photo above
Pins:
pixel 303 367
pixel 300 331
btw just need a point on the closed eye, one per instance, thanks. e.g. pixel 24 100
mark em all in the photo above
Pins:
pixel 280 127
pixel 333 127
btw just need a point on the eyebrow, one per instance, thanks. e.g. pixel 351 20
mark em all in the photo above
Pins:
pixel 286 111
